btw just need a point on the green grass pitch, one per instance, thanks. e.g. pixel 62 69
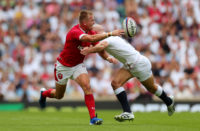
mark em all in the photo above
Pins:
pixel 79 121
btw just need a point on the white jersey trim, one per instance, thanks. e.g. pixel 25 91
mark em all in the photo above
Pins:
pixel 81 36
pixel 81 29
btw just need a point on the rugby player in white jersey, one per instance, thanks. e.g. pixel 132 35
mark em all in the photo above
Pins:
pixel 135 65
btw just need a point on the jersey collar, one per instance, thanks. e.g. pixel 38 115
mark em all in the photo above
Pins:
pixel 81 28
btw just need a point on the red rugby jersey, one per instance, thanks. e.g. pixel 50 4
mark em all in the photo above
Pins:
pixel 70 55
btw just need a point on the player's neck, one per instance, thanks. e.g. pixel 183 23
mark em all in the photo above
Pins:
pixel 83 28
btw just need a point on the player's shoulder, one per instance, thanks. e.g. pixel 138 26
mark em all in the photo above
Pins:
pixel 75 28
pixel 115 40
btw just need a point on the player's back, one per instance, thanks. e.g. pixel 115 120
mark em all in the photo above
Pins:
pixel 122 50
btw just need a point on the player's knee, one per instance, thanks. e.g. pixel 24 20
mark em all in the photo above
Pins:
pixel 115 84
pixel 86 85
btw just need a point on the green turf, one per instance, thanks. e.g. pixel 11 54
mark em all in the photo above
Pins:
pixel 79 121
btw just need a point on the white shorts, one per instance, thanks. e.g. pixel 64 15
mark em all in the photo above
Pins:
pixel 141 69
pixel 63 73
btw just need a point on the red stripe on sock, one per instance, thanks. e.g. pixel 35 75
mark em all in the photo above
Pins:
pixel 89 101
pixel 47 93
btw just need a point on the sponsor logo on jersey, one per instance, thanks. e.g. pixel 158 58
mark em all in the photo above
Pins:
pixel 80 47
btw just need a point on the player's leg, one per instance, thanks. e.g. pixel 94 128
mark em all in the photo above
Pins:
pixel 82 78
pixel 120 78
pixel 61 74
pixel 57 93
pixel 144 74
pixel 156 89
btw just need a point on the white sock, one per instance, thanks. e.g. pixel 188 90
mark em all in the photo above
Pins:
pixel 159 90
pixel 118 90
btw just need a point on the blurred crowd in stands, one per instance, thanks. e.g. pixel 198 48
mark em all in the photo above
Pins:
pixel 32 33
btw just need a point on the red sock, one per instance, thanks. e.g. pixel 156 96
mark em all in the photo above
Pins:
pixel 47 93
pixel 89 101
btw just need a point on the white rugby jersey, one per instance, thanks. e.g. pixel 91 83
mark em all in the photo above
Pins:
pixel 121 50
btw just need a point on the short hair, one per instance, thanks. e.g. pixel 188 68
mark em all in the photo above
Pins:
pixel 84 15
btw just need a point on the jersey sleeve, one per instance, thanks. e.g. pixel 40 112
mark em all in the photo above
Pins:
pixel 77 34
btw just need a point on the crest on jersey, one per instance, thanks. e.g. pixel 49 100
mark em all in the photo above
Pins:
pixel 60 76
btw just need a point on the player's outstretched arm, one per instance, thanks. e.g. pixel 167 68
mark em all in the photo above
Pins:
pixel 98 37
pixel 93 49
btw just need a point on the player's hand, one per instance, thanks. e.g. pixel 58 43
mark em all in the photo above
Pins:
pixel 85 51
pixel 117 32
pixel 112 60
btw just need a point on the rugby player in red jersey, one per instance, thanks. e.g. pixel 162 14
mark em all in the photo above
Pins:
pixel 70 64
